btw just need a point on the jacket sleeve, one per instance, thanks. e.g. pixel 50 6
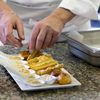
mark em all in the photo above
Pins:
pixel 83 8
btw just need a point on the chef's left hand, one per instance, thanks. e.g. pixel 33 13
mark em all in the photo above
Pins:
pixel 46 32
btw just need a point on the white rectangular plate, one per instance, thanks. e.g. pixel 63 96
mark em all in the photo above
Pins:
pixel 25 87
pixel 9 66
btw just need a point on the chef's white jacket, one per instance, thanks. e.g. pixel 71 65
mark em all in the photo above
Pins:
pixel 31 11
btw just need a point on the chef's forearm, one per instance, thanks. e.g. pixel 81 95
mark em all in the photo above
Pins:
pixel 63 14
pixel 5 8
pixel 2 0
pixel 82 8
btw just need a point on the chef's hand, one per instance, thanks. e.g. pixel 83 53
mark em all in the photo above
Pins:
pixel 9 21
pixel 46 32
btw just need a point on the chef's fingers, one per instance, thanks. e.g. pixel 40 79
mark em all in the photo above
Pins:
pixel 2 38
pixel 20 29
pixel 7 29
pixel 13 41
pixel 32 41
pixel 10 39
pixel 41 38
pixel 48 38
pixel 55 37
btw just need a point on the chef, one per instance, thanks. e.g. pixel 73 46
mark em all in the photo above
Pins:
pixel 46 18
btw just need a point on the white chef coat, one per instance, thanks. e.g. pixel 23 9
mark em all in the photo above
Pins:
pixel 31 11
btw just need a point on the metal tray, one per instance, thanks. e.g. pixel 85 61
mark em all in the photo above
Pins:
pixel 85 45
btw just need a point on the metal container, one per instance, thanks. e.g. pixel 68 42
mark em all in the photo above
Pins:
pixel 86 46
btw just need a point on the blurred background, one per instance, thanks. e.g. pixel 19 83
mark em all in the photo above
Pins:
pixel 96 23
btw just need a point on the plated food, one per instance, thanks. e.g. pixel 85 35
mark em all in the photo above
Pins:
pixel 37 71
pixel 46 67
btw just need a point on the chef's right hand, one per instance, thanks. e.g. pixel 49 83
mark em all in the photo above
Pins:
pixel 9 21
